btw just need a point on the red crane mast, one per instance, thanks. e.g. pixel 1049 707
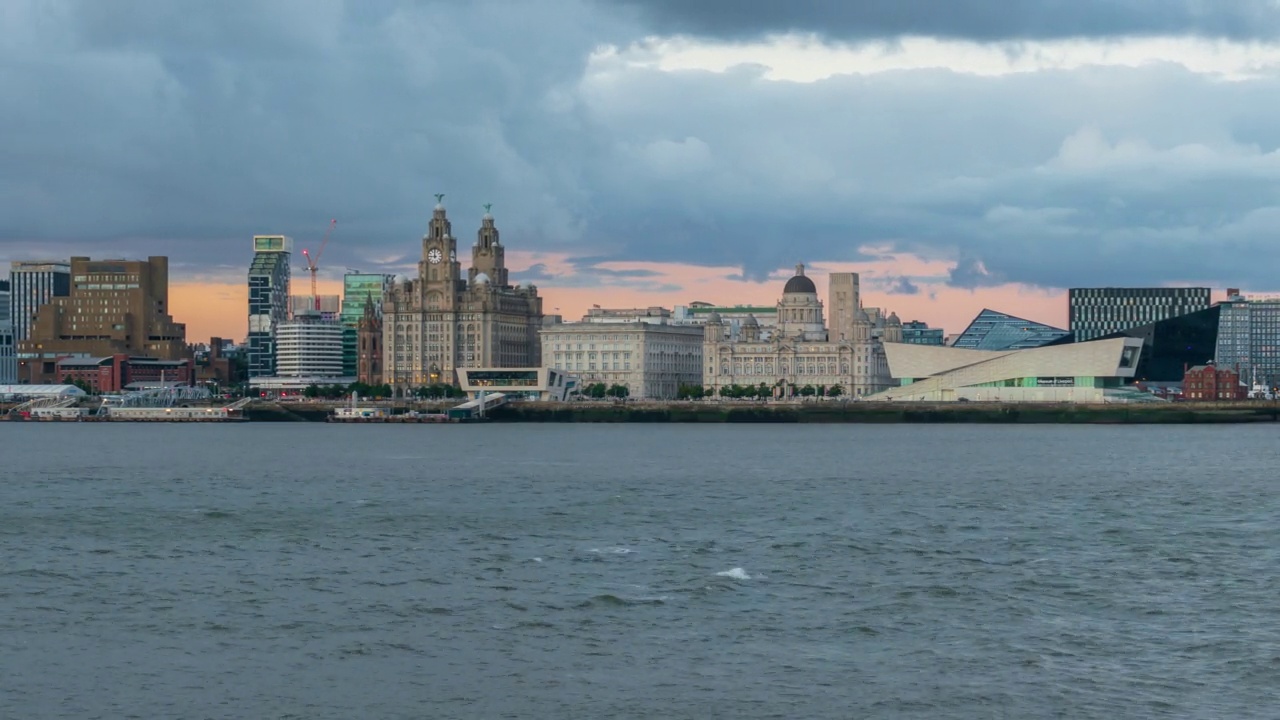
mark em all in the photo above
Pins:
pixel 313 263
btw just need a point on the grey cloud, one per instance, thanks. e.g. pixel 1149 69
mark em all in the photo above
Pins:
pixel 976 19
pixel 149 132
pixel 972 273
pixel 901 286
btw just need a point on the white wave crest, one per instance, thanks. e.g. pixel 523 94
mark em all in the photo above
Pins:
pixel 735 573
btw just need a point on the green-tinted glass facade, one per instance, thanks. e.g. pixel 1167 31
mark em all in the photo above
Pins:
pixel 357 288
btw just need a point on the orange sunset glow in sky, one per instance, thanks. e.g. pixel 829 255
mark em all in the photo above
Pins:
pixel 219 308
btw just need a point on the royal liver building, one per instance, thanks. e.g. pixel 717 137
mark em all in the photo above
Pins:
pixel 445 319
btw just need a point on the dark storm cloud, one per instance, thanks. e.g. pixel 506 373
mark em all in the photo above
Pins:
pixel 974 19
pixel 136 128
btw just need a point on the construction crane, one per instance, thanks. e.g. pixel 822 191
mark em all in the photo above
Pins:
pixel 313 263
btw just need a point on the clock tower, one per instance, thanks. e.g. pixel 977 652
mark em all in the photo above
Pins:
pixel 439 269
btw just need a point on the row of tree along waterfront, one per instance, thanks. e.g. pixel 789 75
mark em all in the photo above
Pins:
pixel 698 392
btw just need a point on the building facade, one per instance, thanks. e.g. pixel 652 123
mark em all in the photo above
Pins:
pixel 116 307
pixel 447 319
pixel 994 330
pixel 917 332
pixel 1091 372
pixel 330 305
pixel 8 345
pixel 1209 382
pixel 803 351
pixel 369 355
pixel 733 316
pixel 31 285
pixel 309 346
pixel 269 276
pixel 1248 339
pixel 1172 345
pixel 651 359
pixel 357 290
pixel 117 373
pixel 1095 312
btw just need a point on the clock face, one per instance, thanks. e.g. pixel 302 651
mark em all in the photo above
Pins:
pixel 434 257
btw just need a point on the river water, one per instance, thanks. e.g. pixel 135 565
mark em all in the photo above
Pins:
pixel 639 571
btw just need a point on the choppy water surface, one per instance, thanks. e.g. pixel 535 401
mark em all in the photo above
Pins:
pixel 311 571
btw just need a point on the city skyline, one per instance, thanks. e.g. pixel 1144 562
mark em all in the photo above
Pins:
pixel 213 305
pixel 958 159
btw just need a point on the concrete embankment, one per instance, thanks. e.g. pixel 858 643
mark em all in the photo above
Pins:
pixel 815 412
pixel 881 412
pixel 851 412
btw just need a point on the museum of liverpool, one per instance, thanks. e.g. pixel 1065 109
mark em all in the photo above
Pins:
pixel 1087 372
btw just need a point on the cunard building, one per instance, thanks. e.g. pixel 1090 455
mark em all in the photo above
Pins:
pixel 448 318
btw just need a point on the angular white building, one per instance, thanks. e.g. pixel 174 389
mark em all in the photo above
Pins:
pixel 1090 372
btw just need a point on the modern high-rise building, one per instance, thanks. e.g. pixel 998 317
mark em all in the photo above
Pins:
pixel 116 307
pixel 8 347
pixel 31 285
pixel 1249 338
pixel 308 346
pixel 917 332
pixel 1094 312
pixel 992 330
pixel 446 319
pixel 268 300
pixel 357 289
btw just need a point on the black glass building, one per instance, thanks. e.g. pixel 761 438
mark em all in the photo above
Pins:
pixel 1174 344
pixel 1097 312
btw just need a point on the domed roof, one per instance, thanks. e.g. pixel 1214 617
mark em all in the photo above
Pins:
pixel 863 316
pixel 799 283
pixel 482 279
pixel 402 279
pixel 714 317
pixel 751 320
pixel 893 319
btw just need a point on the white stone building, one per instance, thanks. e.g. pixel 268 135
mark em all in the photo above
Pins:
pixel 309 346
pixel 446 319
pixel 1091 372
pixel 802 350
pixel 651 359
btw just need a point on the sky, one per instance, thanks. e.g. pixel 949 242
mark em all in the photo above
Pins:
pixel 958 155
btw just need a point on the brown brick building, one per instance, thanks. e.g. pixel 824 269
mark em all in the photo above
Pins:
pixel 116 307
pixel 1210 382
pixel 118 372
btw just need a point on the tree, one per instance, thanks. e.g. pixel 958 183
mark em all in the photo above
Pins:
pixel 311 391
pixel 808 391
pixel 618 391
pixel 726 391
pixel 835 391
